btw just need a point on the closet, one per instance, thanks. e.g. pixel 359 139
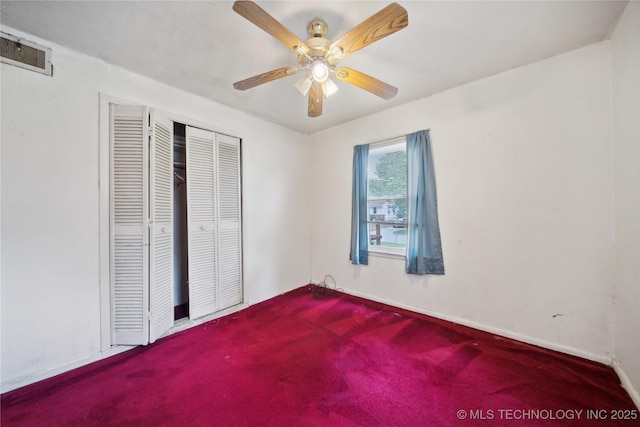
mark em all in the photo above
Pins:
pixel 175 212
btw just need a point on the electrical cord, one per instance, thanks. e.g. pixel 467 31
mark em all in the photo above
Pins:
pixel 324 288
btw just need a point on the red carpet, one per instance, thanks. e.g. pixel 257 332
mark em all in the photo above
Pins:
pixel 341 361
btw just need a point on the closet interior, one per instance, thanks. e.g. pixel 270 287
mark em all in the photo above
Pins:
pixel 180 248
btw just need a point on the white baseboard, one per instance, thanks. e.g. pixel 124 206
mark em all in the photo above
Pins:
pixel 605 360
pixel 626 383
pixel 15 383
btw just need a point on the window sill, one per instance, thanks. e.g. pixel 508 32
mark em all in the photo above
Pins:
pixel 384 254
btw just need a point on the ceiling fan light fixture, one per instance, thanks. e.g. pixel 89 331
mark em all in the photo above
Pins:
pixel 329 88
pixel 319 70
pixel 303 85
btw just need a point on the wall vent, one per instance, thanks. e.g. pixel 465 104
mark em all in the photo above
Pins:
pixel 25 54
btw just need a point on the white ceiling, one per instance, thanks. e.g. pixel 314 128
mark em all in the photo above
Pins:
pixel 203 47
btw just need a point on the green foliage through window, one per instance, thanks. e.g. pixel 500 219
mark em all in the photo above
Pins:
pixel 391 172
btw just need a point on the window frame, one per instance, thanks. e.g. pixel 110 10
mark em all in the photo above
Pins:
pixel 379 250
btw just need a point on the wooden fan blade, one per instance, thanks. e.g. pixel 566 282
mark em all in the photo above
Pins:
pixel 316 97
pixel 366 82
pixel 265 78
pixel 387 21
pixel 254 13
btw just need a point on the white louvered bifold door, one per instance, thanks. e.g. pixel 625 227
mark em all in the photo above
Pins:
pixel 129 273
pixel 229 221
pixel 161 232
pixel 201 209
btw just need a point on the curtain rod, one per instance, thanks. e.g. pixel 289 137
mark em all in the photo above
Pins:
pixel 384 141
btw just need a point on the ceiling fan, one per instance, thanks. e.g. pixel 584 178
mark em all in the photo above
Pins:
pixel 318 56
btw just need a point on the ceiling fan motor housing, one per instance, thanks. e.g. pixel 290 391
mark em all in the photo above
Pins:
pixel 318 47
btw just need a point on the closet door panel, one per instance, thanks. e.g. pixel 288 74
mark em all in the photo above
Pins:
pixel 229 222
pixel 129 275
pixel 201 222
pixel 161 207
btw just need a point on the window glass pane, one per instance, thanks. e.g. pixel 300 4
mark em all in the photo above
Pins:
pixel 387 196
pixel 387 236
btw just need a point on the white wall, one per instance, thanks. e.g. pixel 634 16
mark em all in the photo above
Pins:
pixel 625 56
pixel 50 205
pixel 524 175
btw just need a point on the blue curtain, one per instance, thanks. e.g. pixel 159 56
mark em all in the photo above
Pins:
pixel 359 229
pixel 424 249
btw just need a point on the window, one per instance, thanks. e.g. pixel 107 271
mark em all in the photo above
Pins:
pixel 394 206
pixel 387 196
